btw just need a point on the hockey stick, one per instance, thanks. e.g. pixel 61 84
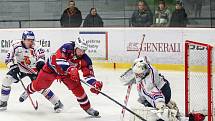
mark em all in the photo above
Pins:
pixel 35 105
pixel 130 86
pixel 102 93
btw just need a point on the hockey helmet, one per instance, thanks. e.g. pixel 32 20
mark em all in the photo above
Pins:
pixel 28 35
pixel 81 44
pixel 67 48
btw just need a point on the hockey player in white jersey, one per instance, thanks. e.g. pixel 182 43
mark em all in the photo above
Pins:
pixel 153 89
pixel 25 59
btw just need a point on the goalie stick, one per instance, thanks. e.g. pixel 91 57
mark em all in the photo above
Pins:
pixel 130 86
pixel 35 105
pixel 124 107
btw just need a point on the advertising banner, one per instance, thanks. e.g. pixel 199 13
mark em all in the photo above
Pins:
pixel 161 45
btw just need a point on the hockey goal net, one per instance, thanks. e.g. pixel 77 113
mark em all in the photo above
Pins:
pixel 199 79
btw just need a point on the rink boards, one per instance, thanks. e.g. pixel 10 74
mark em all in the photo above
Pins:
pixel 110 48
pixel 118 47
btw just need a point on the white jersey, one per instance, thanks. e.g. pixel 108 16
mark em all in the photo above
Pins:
pixel 25 58
pixel 149 88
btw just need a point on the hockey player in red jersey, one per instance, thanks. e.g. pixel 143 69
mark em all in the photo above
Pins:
pixel 64 65
pixel 84 63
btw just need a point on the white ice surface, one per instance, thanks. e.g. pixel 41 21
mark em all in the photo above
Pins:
pixel 109 111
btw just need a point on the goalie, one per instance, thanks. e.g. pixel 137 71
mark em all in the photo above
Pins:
pixel 153 89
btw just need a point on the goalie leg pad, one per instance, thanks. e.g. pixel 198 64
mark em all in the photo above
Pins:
pixel 146 112
pixel 152 114
pixel 168 115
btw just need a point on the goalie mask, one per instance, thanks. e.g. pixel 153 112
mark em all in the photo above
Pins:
pixel 140 67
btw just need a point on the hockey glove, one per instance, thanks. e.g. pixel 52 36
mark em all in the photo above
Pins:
pixel 13 71
pixel 39 65
pixel 97 86
pixel 160 106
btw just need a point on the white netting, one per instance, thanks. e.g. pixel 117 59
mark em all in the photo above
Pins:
pixel 198 78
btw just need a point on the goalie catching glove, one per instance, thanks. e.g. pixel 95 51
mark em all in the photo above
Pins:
pixel 166 113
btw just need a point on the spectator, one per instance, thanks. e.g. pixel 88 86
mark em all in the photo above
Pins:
pixel 198 8
pixel 93 19
pixel 142 17
pixel 71 16
pixel 179 16
pixel 162 15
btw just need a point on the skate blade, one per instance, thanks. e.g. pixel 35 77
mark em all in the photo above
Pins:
pixel 95 116
pixel 3 109
pixel 58 110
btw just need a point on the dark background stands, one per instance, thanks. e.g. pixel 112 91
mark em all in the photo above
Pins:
pixel 162 15
pixel 93 19
pixel 142 17
pixel 179 16
pixel 71 17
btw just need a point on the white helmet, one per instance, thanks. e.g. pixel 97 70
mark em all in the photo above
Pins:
pixel 140 66
pixel 81 44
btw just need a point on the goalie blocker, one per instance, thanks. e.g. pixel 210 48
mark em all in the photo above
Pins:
pixel 154 92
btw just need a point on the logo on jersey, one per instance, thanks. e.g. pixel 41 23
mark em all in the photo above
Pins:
pixel 27 60
pixel 139 75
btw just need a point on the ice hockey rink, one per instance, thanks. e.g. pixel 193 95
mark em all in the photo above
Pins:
pixel 109 111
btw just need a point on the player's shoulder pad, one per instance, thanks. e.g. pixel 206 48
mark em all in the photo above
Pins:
pixel 16 43
pixel 87 59
pixel 37 45
pixel 38 49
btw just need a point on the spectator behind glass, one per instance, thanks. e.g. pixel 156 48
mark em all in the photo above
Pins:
pixel 142 17
pixel 71 16
pixel 179 16
pixel 162 15
pixel 93 19
pixel 198 7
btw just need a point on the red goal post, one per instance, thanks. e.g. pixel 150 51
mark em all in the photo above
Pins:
pixel 198 78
